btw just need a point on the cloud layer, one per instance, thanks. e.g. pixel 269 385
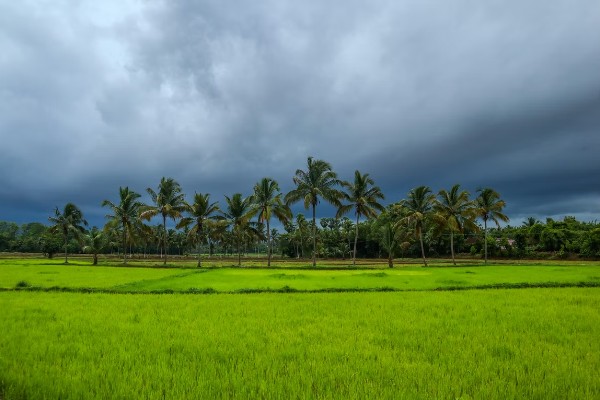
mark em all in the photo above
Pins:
pixel 97 95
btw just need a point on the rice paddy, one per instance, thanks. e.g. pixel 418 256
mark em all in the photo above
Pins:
pixel 416 343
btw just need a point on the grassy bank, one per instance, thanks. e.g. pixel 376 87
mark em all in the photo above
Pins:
pixel 52 274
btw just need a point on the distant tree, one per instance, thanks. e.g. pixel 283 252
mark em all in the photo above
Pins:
pixel 318 181
pixel 50 243
pixel 454 211
pixel 530 222
pixel 124 214
pixel 238 214
pixel 200 212
pixel 69 222
pixel 489 207
pixel 419 205
pixel 95 243
pixel 168 202
pixel 363 198
pixel 267 203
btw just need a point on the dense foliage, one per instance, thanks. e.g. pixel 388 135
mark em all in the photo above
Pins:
pixel 425 224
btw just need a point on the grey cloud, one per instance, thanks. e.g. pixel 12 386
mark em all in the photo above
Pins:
pixel 482 94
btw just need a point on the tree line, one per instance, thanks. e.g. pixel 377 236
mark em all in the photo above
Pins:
pixel 424 223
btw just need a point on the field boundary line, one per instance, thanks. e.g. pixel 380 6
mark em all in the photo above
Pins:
pixel 287 289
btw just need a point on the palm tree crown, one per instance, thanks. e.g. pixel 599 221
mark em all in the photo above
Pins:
pixel 168 202
pixel 238 214
pixel 455 212
pixel 317 181
pixel 363 198
pixel 419 205
pixel 69 221
pixel 267 202
pixel 201 213
pixel 95 243
pixel 125 214
pixel 489 207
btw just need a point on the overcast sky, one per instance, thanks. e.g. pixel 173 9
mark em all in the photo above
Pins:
pixel 100 94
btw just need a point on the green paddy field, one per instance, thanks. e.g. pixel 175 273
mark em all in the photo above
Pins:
pixel 74 331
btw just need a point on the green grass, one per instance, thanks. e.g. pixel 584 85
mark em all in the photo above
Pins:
pixel 35 274
pixel 474 344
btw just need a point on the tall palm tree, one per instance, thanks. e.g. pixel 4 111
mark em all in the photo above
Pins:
pixel 418 206
pixel 489 207
pixel 69 221
pixel 201 212
pixel 124 214
pixel 238 214
pixel 267 203
pixel 95 243
pixel 454 211
pixel 318 181
pixel 168 202
pixel 300 233
pixel 363 198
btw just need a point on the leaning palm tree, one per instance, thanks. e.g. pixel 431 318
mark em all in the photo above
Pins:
pixel 267 203
pixel 318 181
pixel 168 202
pixel 418 206
pixel 238 214
pixel 454 211
pixel 124 214
pixel 363 198
pixel 200 212
pixel 70 221
pixel 489 207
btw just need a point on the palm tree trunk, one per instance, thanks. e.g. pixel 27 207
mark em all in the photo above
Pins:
pixel 66 244
pixel 165 238
pixel 485 239
pixel 452 246
pixel 124 246
pixel 239 250
pixel 95 259
pixel 314 235
pixel 268 244
pixel 390 260
pixel 198 248
pixel 355 241
pixel 422 247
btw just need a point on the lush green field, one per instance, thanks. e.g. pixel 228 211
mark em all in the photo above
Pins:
pixel 416 343
pixel 499 344
pixel 48 274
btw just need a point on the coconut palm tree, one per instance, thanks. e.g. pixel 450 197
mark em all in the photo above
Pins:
pixel 95 243
pixel 124 214
pixel 418 206
pixel 489 207
pixel 363 198
pixel 318 181
pixel 454 211
pixel 70 221
pixel 267 203
pixel 201 212
pixel 168 202
pixel 529 222
pixel 238 214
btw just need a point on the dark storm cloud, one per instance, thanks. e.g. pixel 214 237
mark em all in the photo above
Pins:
pixel 94 96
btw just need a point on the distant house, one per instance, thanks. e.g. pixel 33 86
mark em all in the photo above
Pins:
pixel 511 243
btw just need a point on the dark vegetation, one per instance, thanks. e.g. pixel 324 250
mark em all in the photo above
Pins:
pixel 449 223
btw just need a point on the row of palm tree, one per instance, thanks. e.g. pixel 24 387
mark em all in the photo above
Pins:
pixel 451 210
